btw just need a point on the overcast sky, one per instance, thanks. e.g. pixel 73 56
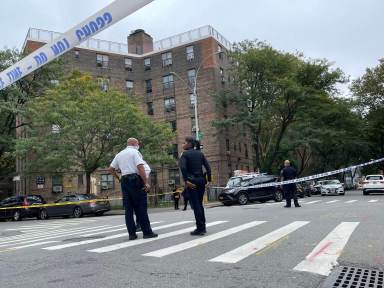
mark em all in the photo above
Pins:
pixel 346 32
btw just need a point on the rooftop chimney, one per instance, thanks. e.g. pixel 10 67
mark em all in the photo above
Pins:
pixel 140 42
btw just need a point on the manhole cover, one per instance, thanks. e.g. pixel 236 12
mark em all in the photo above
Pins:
pixel 354 277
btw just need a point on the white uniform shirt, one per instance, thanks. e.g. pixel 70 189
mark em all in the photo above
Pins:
pixel 127 161
pixel 147 169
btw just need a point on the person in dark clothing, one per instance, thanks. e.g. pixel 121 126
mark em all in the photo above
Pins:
pixel 176 197
pixel 191 165
pixel 185 197
pixel 289 173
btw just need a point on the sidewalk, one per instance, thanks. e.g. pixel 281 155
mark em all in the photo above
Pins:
pixel 164 209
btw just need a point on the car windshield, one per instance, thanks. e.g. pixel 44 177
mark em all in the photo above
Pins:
pixel 234 182
pixel 378 177
pixel 246 182
pixel 331 182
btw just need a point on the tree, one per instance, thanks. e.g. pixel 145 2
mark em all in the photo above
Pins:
pixel 276 86
pixel 76 125
pixel 12 100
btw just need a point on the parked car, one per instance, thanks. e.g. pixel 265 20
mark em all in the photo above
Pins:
pixel 317 187
pixel 373 183
pixel 332 187
pixel 244 193
pixel 16 213
pixel 75 208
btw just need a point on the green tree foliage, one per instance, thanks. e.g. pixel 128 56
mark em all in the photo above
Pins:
pixel 76 126
pixel 278 87
pixel 12 100
pixel 368 92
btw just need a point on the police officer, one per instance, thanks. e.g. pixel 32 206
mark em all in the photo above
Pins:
pixel 191 165
pixel 289 173
pixel 134 187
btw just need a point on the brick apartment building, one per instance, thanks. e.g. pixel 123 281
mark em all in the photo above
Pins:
pixel 159 76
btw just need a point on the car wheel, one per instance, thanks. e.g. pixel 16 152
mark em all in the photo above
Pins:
pixel 278 197
pixel 16 216
pixel 77 212
pixel 243 198
pixel 99 213
pixel 43 215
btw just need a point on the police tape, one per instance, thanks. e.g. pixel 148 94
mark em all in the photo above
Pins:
pixel 74 202
pixel 101 20
pixel 317 176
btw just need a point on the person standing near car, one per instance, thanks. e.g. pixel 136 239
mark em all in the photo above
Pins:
pixel 191 165
pixel 289 173
pixel 134 187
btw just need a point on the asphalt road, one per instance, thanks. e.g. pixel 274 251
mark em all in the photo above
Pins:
pixel 257 245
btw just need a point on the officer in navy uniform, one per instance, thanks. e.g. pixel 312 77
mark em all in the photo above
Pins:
pixel 134 187
pixel 191 165
pixel 289 173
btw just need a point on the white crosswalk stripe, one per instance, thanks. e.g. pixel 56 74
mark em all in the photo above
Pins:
pixel 350 201
pixel 324 257
pixel 197 242
pixel 373 201
pixel 313 202
pixel 333 201
pixel 73 244
pixel 28 246
pixel 143 241
pixel 259 244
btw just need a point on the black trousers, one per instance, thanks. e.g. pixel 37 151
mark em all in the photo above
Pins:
pixel 135 200
pixel 195 197
pixel 185 201
pixel 290 193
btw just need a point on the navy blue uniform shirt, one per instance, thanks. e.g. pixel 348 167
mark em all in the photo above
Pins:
pixel 191 165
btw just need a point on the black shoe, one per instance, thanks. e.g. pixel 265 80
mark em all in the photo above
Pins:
pixel 184 209
pixel 132 237
pixel 198 233
pixel 287 206
pixel 297 206
pixel 152 235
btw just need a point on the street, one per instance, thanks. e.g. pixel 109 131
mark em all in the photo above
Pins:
pixel 257 245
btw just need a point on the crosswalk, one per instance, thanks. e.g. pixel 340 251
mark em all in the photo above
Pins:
pixel 335 201
pixel 107 238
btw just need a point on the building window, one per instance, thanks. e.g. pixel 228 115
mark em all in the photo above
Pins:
pixel 222 76
pixel 174 176
pixel 234 147
pixel 190 53
pixel 193 124
pixel 173 125
pixel 103 83
pixel 128 64
pixel 246 150
pixel 107 182
pixel 40 180
pixel 57 183
pixel 150 108
pixel 227 144
pixel 80 179
pixel 148 86
pixel 220 51
pixel 174 151
pixel 192 99
pixel 147 64
pixel 129 85
pixel 168 81
pixel 170 105
pixel 191 77
pixel 77 54
pixel 240 147
pixel 167 59
pixel 102 60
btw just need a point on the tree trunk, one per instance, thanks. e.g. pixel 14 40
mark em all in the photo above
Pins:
pixel 88 182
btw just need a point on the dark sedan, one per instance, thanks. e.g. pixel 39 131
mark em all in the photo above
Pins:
pixel 77 206
pixel 21 206
pixel 245 193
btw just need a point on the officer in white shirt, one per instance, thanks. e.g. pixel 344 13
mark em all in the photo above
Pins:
pixel 134 187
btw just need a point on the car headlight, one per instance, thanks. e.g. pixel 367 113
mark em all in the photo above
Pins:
pixel 230 191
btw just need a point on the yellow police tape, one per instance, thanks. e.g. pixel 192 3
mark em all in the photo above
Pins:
pixel 74 203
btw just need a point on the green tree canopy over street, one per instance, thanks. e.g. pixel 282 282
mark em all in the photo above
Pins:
pixel 78 127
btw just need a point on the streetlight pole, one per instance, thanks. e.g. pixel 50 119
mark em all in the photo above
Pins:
pixel 194 90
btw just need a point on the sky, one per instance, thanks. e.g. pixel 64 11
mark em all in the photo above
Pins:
pixel 349 33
